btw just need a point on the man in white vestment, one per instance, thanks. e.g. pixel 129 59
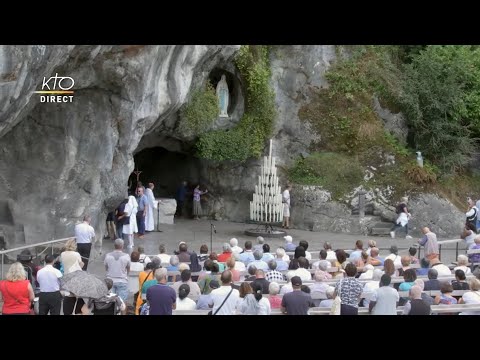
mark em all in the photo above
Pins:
pixel 149 219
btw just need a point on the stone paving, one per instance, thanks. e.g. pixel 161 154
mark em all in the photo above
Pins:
pixel 197 232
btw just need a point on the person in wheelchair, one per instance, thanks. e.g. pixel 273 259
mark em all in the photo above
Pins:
pixel 26 259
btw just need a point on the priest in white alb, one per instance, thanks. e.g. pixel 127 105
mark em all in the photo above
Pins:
pixel 152 204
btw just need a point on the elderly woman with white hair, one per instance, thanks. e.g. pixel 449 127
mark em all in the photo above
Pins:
pixel 174 262
pixel 274 299
pixel 239 265
pixel 287 288
pixel 259 244
pixel 367 273
pixel 371 244
pixel 226 254
pixel 371 286
pixel 320 287
pixel 16 291
pixel 234 246
pixel 324 271
pixel 462 262
pixel 472 296
pixel 282 259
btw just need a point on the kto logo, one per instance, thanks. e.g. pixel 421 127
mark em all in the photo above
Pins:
pixel 57 88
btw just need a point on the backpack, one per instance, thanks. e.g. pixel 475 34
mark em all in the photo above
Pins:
pixel 194 264
pixel 473 218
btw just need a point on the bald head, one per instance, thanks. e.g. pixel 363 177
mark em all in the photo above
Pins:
pixel 415 292
pixel 226 277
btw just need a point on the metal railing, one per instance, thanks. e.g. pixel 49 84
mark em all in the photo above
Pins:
pixel 440 244
pixel 51 242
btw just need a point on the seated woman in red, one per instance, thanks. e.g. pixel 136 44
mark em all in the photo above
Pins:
pixel 16 291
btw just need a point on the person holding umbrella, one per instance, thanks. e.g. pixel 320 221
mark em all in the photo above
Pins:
pixel 81 286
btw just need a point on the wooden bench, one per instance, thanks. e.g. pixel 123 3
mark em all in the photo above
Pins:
pixel 457 308
pixel 361 311
pixel 433 293
pixel 190 312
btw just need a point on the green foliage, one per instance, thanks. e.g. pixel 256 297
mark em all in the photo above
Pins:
pixel 395 145
pixel 337 173
pixel 370 70
pixel 343 114
pixel 436 87
pixel 442 103
pixel 200 112
pixel 247 139
pixel 457 187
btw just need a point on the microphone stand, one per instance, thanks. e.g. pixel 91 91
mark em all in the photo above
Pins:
pixel 158 216
pixel 212 229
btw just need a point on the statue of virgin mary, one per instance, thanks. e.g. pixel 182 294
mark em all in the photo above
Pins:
pixel 222 95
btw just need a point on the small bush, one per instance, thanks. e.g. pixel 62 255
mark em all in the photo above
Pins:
pixel 336 173
pixel 395 145
pixel 200 112
pixel 419 175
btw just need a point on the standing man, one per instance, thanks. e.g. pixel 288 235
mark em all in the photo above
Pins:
pixel 478 216
pixel 180 197
pixel 429 242
pixel 84 235
pixel 161 297
pixel 117 265
pixel 296 302
pixel 402 219
pixel 142 211
pixel 121 218
pixel 471 214
pixel 384 300
pixel 286 207
pixel 111 225
pixel 48 279
pixel 149 220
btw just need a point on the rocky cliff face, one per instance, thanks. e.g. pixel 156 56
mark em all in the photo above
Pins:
pixel 59 161
pixel 295 70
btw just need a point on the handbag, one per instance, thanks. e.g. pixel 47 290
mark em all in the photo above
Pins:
pixel 337 302
pixel 144 301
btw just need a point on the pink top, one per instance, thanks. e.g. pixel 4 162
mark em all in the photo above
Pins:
pixel 275 301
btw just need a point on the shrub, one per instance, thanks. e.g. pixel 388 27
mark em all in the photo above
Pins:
pixel 336 173
pixel 200 112
pixel 442 103
pixel 419 175
pixel 248 138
